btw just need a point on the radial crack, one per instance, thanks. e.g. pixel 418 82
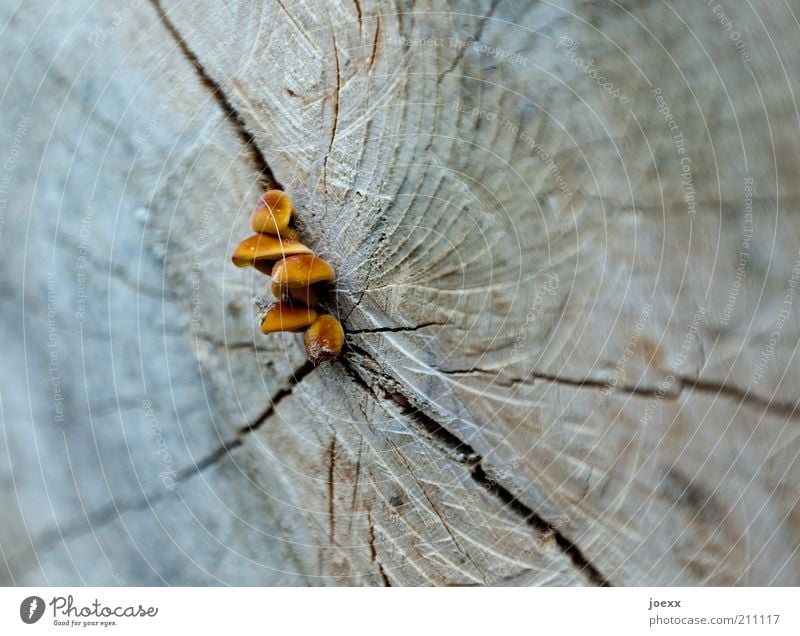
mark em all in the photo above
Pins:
pixel 267 178
pixel 373 553
pixel 103 516
pixel 469 456
pixel 331 477
pixel 296 379
pixel 395 329
pixel 681 384
pixel 106 514
pixel 477 38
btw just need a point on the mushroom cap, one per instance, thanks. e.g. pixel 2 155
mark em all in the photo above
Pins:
pixel 302 270
pixel 273 213
pixel 324 339
pixel 266 247
pixel 286 317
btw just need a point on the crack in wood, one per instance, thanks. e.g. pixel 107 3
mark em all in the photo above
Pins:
pixel 107 514
pixel 373 553
pixel 477 473
pixel 117 272
pixel 395 329
pixel 331 507
pixel 266 177
pixel 375 41
pixel 335 115
pixel 234 345
pixel 460 548
pixel 358 11
pixel 682 383
pixel 296 379
pixel 477 38
pixel 335 121
pixel 530 516
pixel 785 409
pixel 356 481
pixel 459 450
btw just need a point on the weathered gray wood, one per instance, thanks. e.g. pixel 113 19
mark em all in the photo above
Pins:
pixel 555 367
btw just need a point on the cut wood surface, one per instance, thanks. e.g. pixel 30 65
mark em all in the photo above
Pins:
pixel 567 244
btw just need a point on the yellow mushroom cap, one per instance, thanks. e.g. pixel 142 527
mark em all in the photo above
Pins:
pixel 302 270
pixel 265 247
pixel 273 213
pixel 285 317
pixel 323 339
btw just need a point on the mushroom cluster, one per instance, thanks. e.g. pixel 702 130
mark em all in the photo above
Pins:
pixel 298 277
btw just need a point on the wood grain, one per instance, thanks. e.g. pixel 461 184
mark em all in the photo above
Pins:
pixel 569 303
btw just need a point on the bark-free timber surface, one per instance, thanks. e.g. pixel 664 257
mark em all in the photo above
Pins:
pixel 570 308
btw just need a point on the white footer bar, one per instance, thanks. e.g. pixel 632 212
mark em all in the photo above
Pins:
pixel 386 612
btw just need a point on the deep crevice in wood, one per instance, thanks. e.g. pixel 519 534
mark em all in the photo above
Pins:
pixel 358 10
pixel 395 329
pixel 97 519
pixel 534 520
pixel 373 553
pixel 334 116
pixel 267 178
pixel 375 41
pixel 331 507
pixel 296 379
pixel 462 452
pixel 784 409
pixel 101 517
pixel 468 455
pixel 681 384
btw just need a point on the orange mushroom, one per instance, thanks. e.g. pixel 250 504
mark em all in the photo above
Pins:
pixel 285 317
pixel 264 247
pixel 273 213
pixel 323 339
pixel 302 270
